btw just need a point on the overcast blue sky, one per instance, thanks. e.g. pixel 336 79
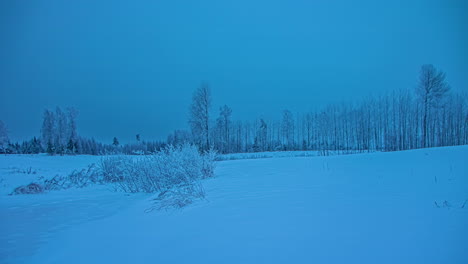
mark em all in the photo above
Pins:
pixel 131 66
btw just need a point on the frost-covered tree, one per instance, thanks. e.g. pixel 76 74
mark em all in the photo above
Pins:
pixel 179 137
pixel 260 142
pixel 115 142
pixel 223 127
pixel 4 141
pixel 61 134
pixel 309 123
pixel 432 88
pixel 288 129
pixel 200 116
pixel 48 131
pixel 72 133
pixel 32 146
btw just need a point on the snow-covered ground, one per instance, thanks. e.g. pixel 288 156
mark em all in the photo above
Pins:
pixel 273 154
pixel 399 207
pixel 282 154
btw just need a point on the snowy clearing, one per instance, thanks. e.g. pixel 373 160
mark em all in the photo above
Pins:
pixel 398 207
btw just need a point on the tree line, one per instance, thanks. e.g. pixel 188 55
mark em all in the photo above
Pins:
pixel 428 116
pixel 59 136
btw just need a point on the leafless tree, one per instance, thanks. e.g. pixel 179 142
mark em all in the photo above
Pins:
pixel 200 116
pixel 432 88
pixel 224 126
pixel 3 137
pixel 287 126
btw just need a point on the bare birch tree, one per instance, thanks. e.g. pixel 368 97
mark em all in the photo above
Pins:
pixel 432 88
pixel 200 116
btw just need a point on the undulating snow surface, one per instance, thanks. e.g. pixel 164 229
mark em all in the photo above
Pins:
pixel 399 207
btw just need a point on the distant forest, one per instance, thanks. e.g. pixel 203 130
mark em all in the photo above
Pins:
pixel 431 115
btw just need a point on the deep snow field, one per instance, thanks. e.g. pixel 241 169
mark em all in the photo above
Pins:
pixel 396 207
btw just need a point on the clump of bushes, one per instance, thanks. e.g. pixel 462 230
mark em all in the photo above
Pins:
pixel 174 172
pixel 178 196
pixel 172 166
pixel 78 179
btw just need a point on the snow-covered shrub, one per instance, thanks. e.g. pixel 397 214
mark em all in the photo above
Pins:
pixel 85 177
pixel 129 174
pixel 56 183
pixel 178 196
pixel 164 170
pixel 78 179
pixel 173 172
pixel 112 168
pixel 209 159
